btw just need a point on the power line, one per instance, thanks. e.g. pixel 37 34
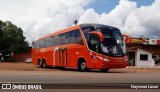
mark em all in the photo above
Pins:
pixel 36 33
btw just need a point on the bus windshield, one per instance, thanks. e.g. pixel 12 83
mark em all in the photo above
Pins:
pixel 113 43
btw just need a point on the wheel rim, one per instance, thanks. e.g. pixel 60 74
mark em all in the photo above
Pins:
pixel 83 66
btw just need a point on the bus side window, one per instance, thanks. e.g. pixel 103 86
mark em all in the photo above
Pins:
pixel 78 37
pixel 53 41
pixel 37 44
pixel 72 37
pixel 42 43
pixel 49 42
pixel 63 39
pixel 56 40
pixel 86 31
pixel 67 37
pixel 34 43
pixel 75 37
pixel 94 43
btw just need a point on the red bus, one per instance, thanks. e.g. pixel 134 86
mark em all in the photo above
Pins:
pixel 83 46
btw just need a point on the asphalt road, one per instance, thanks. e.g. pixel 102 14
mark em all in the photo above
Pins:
pixel 79 77
pixel 23 73
pixel 82 79
pixel 63 77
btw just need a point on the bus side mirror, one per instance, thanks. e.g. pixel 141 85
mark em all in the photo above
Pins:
pixel 127 38
pixel 100 35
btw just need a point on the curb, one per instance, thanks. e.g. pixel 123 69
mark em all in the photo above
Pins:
pixel 141 67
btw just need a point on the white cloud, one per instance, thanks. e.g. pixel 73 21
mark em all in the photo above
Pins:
pixel 90 16
pixel 41 16
pixel 130 19
pixel 145 21
pixel 46 16
pixel 118 15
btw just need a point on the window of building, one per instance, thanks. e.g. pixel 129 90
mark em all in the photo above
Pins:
pixel 143 56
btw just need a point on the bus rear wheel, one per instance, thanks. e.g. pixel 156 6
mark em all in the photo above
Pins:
pixel 104 70
pixel 40 64
pixel 44 64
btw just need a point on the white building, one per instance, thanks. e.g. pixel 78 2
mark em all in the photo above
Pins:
pixel 139 57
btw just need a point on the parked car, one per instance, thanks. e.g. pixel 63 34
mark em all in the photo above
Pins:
pixel 157 60
pixel 29 60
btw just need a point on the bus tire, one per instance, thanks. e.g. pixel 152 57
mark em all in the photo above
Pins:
pixel 104 70
pixel 40 64
pixel 82 66
pixel 44 64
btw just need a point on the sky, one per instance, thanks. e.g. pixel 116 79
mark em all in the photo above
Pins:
pixel 101 6
pixel 40 17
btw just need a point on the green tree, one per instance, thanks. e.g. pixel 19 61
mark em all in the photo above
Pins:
pixel 12 39
pixel 2 24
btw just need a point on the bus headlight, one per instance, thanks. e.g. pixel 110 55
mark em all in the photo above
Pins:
pixel 106 60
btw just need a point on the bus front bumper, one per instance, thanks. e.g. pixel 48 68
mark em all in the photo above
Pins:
pixel 112 65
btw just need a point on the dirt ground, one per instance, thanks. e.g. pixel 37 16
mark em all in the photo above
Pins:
pixel 30 67
pixel 6 66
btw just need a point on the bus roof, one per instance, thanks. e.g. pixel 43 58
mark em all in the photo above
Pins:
pixel 61 31
pixel 95 25
pixel 77 27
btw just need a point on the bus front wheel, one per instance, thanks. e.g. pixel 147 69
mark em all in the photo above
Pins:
pixel 82 66
pixel 104 70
